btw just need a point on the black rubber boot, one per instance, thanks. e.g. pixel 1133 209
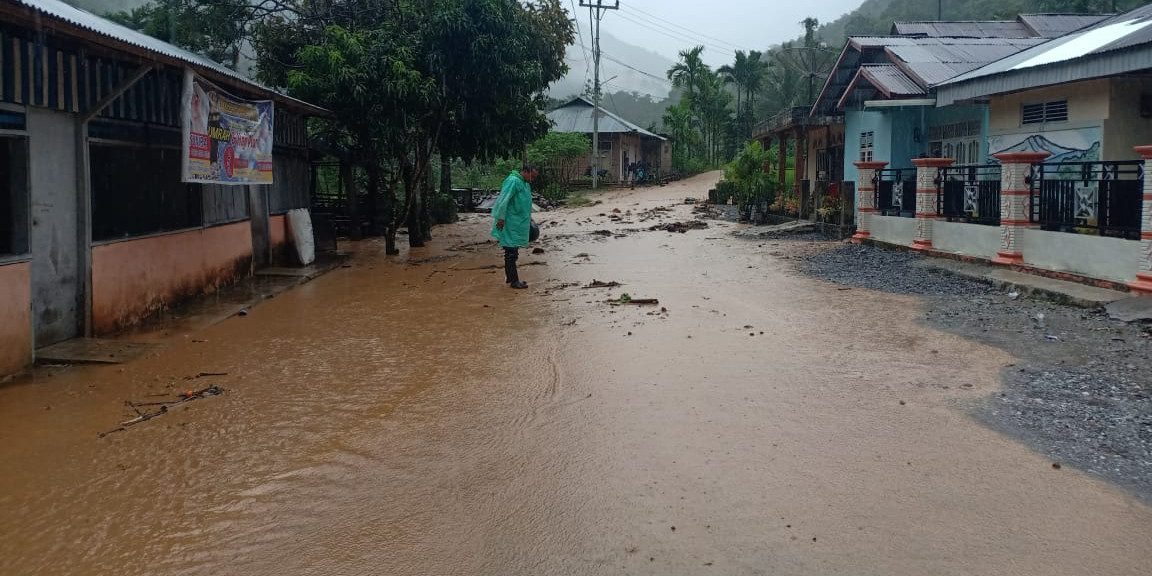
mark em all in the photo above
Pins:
pixel 511 275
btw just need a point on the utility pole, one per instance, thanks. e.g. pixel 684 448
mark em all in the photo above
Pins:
pixel 596 8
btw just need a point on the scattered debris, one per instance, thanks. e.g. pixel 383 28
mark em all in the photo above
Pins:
pixel 598 284
pixel 625 298
pixel 601 233
pixel 204 374
pixel 537 250
pixel 681 227
pixel 690 201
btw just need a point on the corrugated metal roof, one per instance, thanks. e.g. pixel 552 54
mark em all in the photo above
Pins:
pixel 888 78
pixel 121 34
pixel 960 29
pixel 924 61
pixel 1118 45
pixel 1057 25
pixel 576 116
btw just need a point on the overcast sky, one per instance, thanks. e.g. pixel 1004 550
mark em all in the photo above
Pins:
pixel 668 26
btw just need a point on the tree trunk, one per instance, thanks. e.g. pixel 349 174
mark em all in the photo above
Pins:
pixel 412 192
pixel 429 198
pixel 351 199
pixel 389 208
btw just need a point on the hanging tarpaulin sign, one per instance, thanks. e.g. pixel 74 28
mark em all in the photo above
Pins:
pixel 227 140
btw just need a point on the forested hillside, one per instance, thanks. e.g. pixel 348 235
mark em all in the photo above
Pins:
pixel 876 16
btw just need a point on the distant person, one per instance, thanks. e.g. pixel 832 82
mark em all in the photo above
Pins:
pixel 513 219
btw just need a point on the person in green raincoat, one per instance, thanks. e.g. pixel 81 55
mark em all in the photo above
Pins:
pixel 512 219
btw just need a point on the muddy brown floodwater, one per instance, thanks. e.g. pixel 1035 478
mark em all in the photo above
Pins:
pixel 416 417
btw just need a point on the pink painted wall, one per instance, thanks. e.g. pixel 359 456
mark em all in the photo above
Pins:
pixel 136 278
pixel 15 317
pixel 277 230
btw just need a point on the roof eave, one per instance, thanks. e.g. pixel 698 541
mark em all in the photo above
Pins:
pixel 1080 69
pixel 30 16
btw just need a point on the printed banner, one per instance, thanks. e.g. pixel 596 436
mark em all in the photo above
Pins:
pixel 227 140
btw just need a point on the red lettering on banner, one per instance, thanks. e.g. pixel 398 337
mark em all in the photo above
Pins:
pixel 198 141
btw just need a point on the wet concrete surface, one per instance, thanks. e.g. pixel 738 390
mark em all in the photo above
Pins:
pixel 416 416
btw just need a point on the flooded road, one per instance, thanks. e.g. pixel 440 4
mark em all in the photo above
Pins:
pixel 417 417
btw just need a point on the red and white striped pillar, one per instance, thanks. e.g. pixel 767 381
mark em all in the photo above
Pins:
pixel 865 198
pixel 1143 283
pixel 1015 203
pixel 926 198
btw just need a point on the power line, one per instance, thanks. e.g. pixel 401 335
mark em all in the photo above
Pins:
pixel 634 69
pixel 583 48
pixel 689 31
pixel 678 36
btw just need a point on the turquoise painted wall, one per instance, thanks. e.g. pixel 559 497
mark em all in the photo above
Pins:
pixel 857 122
pixel 898 129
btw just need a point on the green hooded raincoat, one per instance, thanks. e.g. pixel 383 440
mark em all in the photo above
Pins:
pixel 514 207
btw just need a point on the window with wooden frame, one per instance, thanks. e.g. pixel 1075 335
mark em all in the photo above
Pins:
pixel 867 146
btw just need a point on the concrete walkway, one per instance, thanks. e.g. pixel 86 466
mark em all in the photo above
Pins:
pixel 1061 291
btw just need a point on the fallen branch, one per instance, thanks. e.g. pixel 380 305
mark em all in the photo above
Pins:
pixel 146 416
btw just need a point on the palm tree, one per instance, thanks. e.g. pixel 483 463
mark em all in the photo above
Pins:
pixel 686 73
pixel 747 74
pixel 712 107
pixel 737 74
pixel 757 70
pixel 680 125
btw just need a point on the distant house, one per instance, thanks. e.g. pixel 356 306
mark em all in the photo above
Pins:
pixel 621 142
pixel 877 102
pixel 883 86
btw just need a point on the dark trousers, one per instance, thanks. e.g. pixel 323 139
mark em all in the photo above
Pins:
pixel 511 255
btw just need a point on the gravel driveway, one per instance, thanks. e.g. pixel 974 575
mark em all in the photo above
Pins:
pixel 1079 391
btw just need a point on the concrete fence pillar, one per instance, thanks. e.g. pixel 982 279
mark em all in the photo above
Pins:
pixel 1143 283
pixel 1015 203
pixel 865 198
pixel 927 170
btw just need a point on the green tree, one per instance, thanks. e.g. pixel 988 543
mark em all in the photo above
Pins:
pixel 559 155
pixel 215 28
pixel 482 67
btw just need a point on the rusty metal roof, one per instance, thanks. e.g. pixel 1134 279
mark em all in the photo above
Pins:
pixel 1119 45
pixel 889 79
pixel 126 39
pixel 576 116
pixel 960 29
pixel 1057 25
pixel 924 61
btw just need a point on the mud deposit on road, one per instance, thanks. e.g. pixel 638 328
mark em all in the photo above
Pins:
pixel 1080 392
pixel 414 416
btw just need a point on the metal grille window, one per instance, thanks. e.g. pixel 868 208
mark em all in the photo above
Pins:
pixel 1043 112
pixel 867 146
pixel 136 190
pixel 13 196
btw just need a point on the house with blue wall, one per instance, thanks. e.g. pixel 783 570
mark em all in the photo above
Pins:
pixel 883 87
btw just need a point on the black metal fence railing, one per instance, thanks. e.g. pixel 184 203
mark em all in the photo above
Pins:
pixel 896 192
pixel 969 194
pixel 1097 198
